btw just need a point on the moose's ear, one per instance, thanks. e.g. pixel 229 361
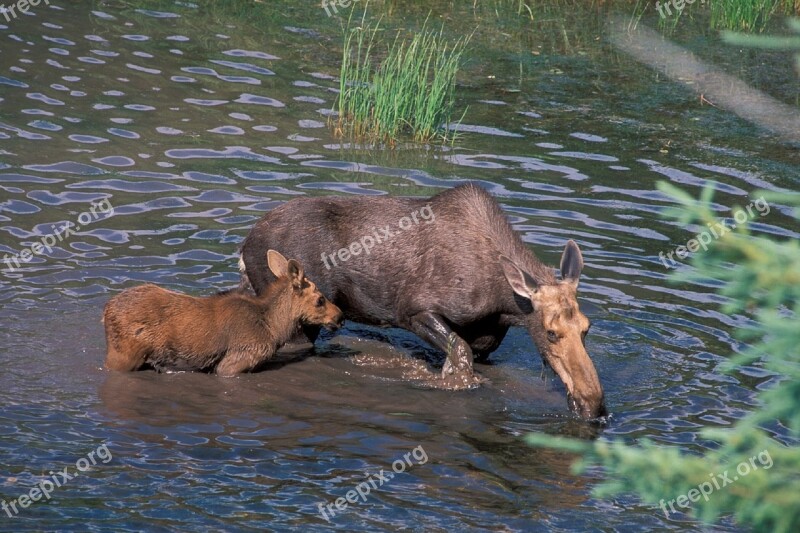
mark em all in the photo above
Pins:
pixel 296 274
pixel 522 282
pixel 571 263
pixel 277 263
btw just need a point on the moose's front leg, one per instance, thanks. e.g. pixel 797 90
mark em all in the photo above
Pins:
pixel 457 370
pixel 242 359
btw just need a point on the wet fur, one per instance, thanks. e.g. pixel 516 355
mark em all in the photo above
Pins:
pixel 227 333
pixel 452 276
pixel 454 258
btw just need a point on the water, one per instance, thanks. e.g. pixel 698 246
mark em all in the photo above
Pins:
pixel 191 125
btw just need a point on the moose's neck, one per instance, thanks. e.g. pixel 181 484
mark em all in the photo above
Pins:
pixel 524 258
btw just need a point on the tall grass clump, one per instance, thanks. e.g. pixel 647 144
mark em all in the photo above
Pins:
pixel 745 15
pixel 741 15
pixel 387 90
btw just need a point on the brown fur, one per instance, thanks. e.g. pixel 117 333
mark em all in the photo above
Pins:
pixel 228 333
pixel 459 282
pixel 559 328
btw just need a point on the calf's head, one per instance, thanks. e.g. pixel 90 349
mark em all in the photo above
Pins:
pixel 307 302
pixel 558 329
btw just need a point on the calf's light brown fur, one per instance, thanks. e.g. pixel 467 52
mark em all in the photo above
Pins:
pixel 228 333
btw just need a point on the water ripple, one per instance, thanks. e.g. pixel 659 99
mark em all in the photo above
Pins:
pixel 244 66
pixel 230 152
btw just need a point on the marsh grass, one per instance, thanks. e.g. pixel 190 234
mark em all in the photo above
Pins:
pixel 741 15
pixel 403 87
pixel 746 15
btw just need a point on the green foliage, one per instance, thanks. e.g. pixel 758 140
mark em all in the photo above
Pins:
pixel 387 90
pixel 761 278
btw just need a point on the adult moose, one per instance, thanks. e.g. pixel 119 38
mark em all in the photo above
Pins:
pixel 459 280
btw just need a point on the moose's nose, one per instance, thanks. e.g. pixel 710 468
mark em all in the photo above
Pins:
pixel 337 322
pixel 587 408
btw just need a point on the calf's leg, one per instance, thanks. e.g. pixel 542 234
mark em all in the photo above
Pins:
pixel 308 333
pixel 126 357
pixel 241 360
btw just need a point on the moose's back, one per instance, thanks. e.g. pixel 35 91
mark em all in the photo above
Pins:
pixel 443 259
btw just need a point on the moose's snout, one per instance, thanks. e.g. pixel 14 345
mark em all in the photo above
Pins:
pixel 584 392
pixel 586 398
pixel 336 322
pixel 587 408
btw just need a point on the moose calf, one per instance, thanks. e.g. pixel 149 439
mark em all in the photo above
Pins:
pixel 228 333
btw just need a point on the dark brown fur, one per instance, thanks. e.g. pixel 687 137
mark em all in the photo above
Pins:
pixel 459 282
pixel 228 333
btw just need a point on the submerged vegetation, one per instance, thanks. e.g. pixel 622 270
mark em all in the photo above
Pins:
pixel 396 88
pixel 765 284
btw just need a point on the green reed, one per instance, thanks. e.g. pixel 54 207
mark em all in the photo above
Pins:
pixel 746 15
pixel 403 87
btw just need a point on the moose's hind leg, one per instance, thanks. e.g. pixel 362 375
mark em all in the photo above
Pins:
pixel 483 345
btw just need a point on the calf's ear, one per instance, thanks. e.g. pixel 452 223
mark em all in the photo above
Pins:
pixel 296 274
pixel 277 264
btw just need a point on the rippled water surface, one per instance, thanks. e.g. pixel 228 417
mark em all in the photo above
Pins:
pixel 192 125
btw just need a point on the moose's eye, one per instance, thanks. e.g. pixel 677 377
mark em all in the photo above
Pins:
pixel 552 336
pixel 321 301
